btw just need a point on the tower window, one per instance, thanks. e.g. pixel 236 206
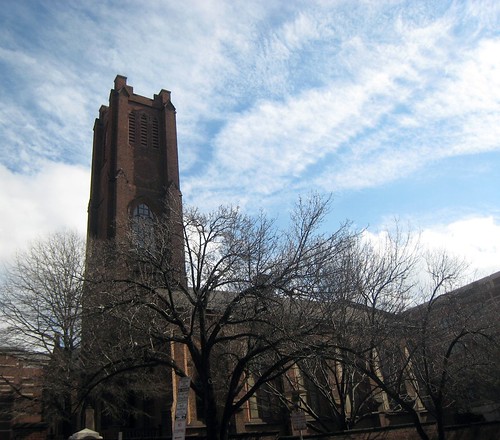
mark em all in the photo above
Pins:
pixel 142 225
pixel 142 211
pixel 144 131
pixel 155 140
pixel 131 128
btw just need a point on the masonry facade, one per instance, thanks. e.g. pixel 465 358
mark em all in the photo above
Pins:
pixel 135 171
pixel 21 412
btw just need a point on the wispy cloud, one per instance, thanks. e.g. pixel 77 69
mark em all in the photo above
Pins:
pixel 274 98
pixel 407 102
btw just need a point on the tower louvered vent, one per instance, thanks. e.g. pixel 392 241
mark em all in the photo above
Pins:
pixel 131 128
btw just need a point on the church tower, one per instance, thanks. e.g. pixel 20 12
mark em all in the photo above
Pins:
pixel 135 176
pixel 135 171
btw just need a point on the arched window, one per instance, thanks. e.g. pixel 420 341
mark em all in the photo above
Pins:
pixel 142 225
pixel 142 211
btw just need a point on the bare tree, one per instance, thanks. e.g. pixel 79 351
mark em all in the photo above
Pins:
pixel 40 308
pixel 361 295
pixel 332 392
pixel 248 311
pixel 256 301
pixel 452 341
pixel 419 357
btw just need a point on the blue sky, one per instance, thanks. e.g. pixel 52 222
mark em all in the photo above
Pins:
pixel 393 107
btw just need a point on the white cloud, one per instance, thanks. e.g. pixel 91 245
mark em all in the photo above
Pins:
pixel 474 239
pixel 300 132
pixel 213 56
pixel 477 239
pixel 469 98
pixel 458 115
pixel 54 198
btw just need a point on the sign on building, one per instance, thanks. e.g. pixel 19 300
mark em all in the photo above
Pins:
pixel 181 409
pixel 298 418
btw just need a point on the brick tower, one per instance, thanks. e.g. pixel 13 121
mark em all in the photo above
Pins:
pixel 135 171
pixel 135 175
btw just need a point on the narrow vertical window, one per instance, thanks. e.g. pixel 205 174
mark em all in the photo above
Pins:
pixel 144 131
pixel 131 128
pixel 253 407
pixel 142 225
pixel 155 139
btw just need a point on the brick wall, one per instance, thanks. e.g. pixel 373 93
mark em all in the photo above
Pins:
pixel 479 431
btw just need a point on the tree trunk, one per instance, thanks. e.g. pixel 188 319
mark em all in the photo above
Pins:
pixel 418 426
pixel 439 424
pixel 67 427
pixel 211 413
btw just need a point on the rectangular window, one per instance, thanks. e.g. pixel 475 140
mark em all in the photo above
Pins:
pixel 144 131
pixel 155 138
pixel 131 128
